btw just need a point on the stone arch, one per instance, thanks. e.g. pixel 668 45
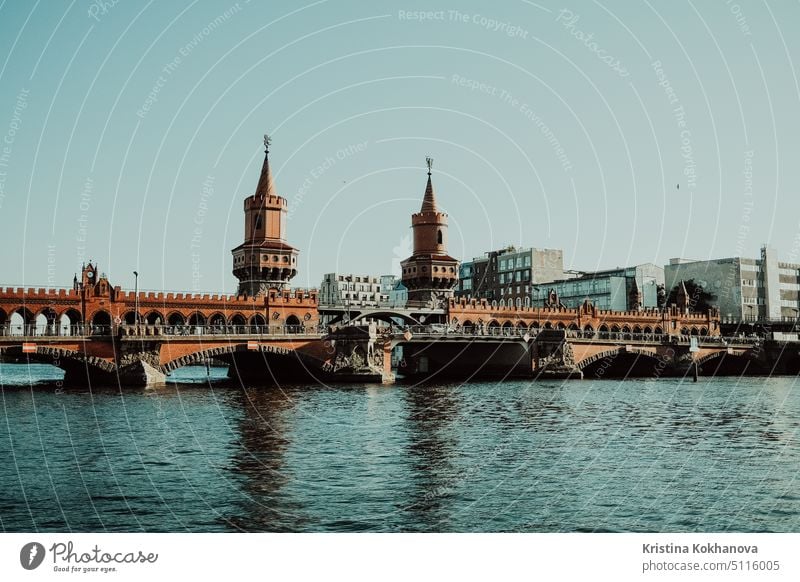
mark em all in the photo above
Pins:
pixel 547 325
pixel 293 324
pixel 507 326
pixel 21 321
pixel 493 326
pixel 703 331
pixel 648 329
pixel 467 324
pixel 237 319
pixel 598 356
pixel 603 328
pixel 101 322
pixel 70 321
pixel 176 318
pixel 257 320
pixel 47 322
pixel 155 317
pixel 129 318
pixel 522 326
pixel 626 329
pixel 615 328
pixel 216 320
pixel 636 329
pixel 694 331
pixel 561 326
pixel 658 330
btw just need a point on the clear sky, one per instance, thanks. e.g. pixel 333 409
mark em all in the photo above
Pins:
pixel 622 132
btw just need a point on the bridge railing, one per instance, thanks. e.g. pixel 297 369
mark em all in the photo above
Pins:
pixel 39 330
pixel 223 330
pixel 615 336
pixel 87 330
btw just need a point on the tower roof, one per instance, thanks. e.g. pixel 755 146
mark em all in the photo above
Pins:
pixel 266 187
pixel 429 200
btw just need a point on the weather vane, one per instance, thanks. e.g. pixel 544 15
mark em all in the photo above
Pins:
pixel 267 141
pixel 429 161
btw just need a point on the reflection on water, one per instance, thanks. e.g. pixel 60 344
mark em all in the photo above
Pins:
pixel 206 455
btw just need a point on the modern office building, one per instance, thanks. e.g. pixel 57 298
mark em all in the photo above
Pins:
pixel 507 274
pixel 621 289
pixel 744 288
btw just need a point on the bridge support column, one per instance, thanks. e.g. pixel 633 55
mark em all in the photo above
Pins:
pixel 552 358
pixel 359 357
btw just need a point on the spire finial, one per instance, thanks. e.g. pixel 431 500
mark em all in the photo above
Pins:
pixel 267 142
pixel 429 161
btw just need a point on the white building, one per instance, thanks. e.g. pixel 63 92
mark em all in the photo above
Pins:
pixel 341 290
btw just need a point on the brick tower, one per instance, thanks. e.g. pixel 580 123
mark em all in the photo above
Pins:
pixel 429 274
pixel 264 260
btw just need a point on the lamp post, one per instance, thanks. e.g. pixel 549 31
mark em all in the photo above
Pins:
pixel 136 298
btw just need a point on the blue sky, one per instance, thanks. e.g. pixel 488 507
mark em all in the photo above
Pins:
pixel 620 132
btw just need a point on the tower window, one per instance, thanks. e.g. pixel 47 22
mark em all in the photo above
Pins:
pixel 439 237
pixel 257 225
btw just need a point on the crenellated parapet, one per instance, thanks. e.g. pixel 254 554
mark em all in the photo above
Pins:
pixel 671 321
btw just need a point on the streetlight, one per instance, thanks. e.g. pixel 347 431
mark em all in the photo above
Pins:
pixel 136 298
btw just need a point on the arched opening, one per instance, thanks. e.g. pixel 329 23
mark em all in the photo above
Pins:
pixel 658 331
pixel 468 326
pixel 615 329
pixel 573 327
pixel 561 326
pixel 703 331
pixel 535 326
pixel 176 323
pixel 588 331
pixel 22 322
pixel 257 323
pixel 47 322
pixel 3 322
pixel 637 329
pixel 70 322
pixel 197 323
pixel 439 237
pixel 548 325
pixel 493 327
pixel 648 330
pixel 129 318
pixel 292 324
pixel 507 328
pixel 502 304
pixel 603 331
pixel 154 318
pixel 216 323
pixel 684 331
pixel 238 322
pixel 101 323
pixel 522 327
pixel 621 364
pixel 695 331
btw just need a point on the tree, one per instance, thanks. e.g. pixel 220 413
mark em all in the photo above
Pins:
pixel 699 300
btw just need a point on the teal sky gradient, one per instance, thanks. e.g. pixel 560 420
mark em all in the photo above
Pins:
pixel 536 140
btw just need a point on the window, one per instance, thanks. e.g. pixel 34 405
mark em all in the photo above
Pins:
pixel 257 222
pixel 439 237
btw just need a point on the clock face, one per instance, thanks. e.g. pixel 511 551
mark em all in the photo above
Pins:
pixel 90 275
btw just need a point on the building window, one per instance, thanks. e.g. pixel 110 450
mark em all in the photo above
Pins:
pixel 439 236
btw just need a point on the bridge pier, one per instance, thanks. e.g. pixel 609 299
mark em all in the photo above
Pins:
pixel 359 355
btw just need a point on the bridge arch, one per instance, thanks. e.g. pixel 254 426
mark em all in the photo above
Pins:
pixel 384 315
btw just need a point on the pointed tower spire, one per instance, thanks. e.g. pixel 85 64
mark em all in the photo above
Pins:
pixel 429 200
pixel 266 186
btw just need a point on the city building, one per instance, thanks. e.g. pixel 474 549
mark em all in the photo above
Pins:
pixel 341 290
pixel 507 274
pixel 429 274
pixel 744 288
pixel 620 289
pixel 264 260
